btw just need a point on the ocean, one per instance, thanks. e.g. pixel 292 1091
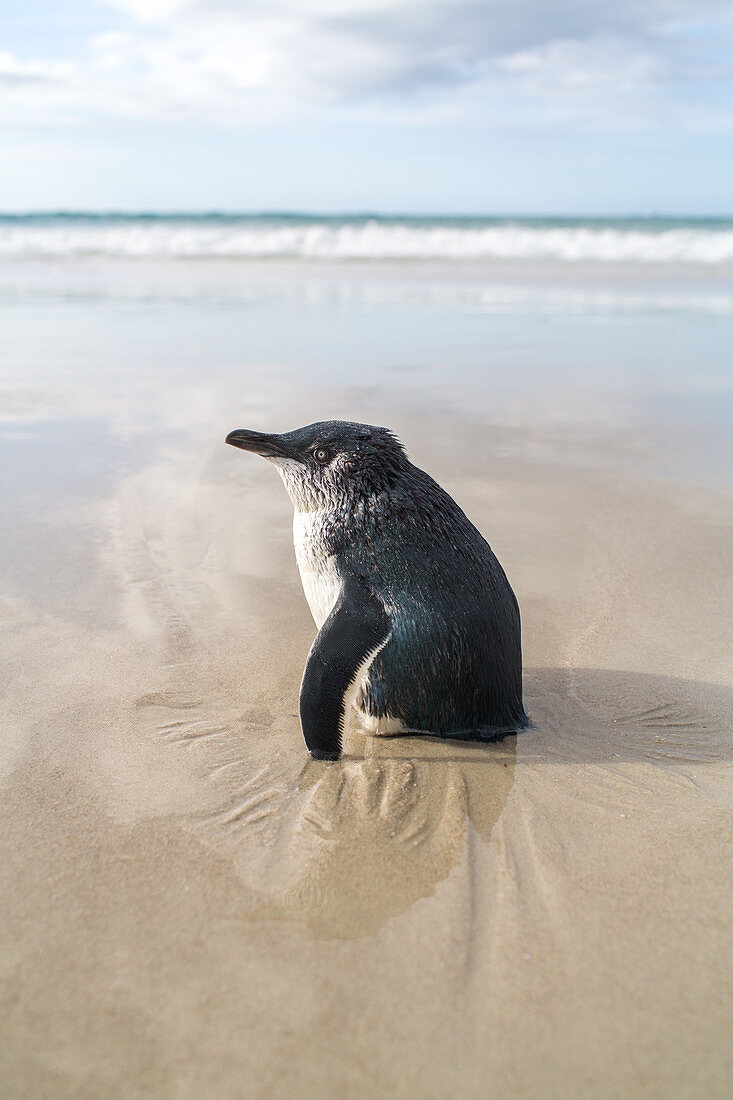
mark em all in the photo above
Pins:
pixel 653 240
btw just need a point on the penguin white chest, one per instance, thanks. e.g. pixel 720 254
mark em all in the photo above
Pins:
pixel 321 582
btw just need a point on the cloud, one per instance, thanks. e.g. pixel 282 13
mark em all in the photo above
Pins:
pixel 257 61
pixel 15 72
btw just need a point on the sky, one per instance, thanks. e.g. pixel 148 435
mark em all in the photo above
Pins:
pixel 437 106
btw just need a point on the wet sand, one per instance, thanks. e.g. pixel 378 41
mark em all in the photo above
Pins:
pixel 192 907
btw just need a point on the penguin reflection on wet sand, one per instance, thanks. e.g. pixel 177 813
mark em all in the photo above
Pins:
pixel 418 626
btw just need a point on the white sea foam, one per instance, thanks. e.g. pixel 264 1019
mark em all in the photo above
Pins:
pixel 367 239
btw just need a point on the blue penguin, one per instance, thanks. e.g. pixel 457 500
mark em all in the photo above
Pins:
pixel 418 627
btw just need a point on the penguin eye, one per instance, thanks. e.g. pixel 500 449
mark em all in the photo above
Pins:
pixel 322 455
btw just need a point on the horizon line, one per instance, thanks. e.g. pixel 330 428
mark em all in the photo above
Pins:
pixel 213 212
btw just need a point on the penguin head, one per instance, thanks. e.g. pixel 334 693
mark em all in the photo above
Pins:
pixel 326 462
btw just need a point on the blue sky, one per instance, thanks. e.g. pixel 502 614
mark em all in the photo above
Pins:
pixel 457 106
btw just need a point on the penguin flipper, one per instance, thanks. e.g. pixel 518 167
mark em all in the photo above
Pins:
pixel 357 626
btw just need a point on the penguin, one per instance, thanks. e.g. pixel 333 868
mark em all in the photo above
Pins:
pixel 418 627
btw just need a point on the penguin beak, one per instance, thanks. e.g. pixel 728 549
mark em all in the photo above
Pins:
pixel 269 446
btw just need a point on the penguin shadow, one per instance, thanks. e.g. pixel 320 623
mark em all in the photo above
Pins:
pixel 595 716
pixel 343 847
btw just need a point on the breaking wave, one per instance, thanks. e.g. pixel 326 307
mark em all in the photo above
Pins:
pixel 634 241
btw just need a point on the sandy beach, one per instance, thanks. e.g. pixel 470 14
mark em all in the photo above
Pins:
pixel 190 906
